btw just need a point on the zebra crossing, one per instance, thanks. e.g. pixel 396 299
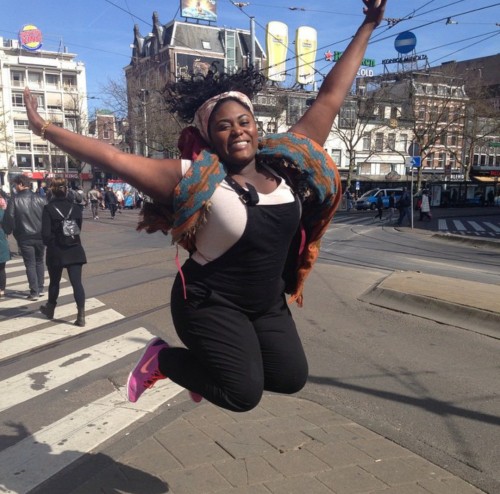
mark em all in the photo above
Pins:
pixel 44 452
pixel 463 226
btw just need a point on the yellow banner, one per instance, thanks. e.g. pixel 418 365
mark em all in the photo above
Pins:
pixel 306 44
pixel 276 48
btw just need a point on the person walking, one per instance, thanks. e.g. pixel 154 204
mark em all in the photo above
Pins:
pixel 425 206
pixel 404 205
pixel 392 204
pixel 348 200
pixel 380 207
pixel 94 197
pixel 111 201
pixel 60 255
pixel 251 212
pixel 4 250
pixel 23 218
pixel 120 200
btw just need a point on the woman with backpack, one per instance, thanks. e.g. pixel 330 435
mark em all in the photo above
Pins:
pixel 61 223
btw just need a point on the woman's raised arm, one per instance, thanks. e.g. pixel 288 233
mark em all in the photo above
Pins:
pixel 317 122
pixel 155 177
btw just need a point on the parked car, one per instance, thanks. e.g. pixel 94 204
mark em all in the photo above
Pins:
pixel 369 199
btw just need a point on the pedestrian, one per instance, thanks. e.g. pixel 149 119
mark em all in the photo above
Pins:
pixel 120 200
pixel 111 202
pixel 380 207
pixel 4 249
pixel 348 200
pixel 61 256
pixel 392 204
pixel 404 206
pixel 23 218
pixel 236 204
pixel 94 197
pixel 425 206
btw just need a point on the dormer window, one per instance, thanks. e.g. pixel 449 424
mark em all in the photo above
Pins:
pixel 206 45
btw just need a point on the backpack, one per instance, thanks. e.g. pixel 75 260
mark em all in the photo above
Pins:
pixel 69 233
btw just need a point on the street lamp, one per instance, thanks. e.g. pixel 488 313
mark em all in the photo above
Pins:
pixel 144 94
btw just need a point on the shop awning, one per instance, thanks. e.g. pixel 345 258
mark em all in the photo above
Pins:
pixel 487 179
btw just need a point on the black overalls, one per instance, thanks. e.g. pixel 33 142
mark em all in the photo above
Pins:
pixel 238 330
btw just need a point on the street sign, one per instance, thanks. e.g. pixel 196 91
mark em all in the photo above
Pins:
pixel 405 42
pixel 357 185
pixel 414 149
pixel 416 161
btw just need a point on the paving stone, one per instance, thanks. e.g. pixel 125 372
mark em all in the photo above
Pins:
pixel 394 471
pixel 150 456
pixel 200 480
pixel 180 431
pixel 250 471
pixel 381 448
pixel 281 406
pixel 246 445
pixel 301 485
pixel 428 469
pixel 288 441
pixel 295 463
pixel 350 480
pixel 331 434
pixel 206 413
pixel 402 489
pixel 216 432
pixel 339 454
pixel 449 486
pixel 254 489
pixel 324 418
pixel 190 455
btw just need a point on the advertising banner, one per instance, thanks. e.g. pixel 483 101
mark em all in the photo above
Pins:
pixel 306 44
pixel 205 10
pixel 188 65
pixel 276 48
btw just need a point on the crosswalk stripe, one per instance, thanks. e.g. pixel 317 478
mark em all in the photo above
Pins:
pixel 493 227
pixel 24 322
pixel 459 225
pixel 39 380
pixel 40 456
pixel 14 302
pixel 476 226
pixel 57 332
pixel 14 280
pixel 442 225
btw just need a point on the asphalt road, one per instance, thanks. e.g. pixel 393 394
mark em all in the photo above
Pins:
pixel 431 387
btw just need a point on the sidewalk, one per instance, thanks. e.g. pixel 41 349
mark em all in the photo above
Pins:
pixel 284 446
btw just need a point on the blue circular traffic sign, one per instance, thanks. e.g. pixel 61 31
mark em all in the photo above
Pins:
pixel 405 42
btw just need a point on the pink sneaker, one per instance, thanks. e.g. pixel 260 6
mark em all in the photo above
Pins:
pixel 146 372
pixel 195 397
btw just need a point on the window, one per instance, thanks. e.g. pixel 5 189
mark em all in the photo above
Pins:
pixel 272 128
pixel 206 45
pixel 391 142
pixel 366 141
pixel 69 81
pixel 35 79
pixel 394 112
pixel 421 113
pixel 337 156
pixel 17 99
pixel 23 146
pixel 453 139
pixel 70 124
pixel 441 160
pixel 52 80
pixel 452 161
pixel 430 160
pixel 296 108
pixel 347 117
pixel 404 142
pixel 20 124
pixel 17 78
pixel 379 141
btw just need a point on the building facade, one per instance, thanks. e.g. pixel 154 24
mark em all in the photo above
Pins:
pixel 58 82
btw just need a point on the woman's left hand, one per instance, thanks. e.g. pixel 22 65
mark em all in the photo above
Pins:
pixel 374 10
pixel 35 120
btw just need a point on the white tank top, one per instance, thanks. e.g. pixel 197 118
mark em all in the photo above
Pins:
pixel 227 218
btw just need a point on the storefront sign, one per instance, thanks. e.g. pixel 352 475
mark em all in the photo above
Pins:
pixel 30 38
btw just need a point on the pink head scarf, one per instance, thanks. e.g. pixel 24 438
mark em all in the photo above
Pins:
pixel 203 113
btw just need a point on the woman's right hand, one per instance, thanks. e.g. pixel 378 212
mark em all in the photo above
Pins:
pixel 35 120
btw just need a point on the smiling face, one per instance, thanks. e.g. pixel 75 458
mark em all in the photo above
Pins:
pixel 233 133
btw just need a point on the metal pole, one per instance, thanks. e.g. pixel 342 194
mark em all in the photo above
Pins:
pixel 252 42
pixel 411 198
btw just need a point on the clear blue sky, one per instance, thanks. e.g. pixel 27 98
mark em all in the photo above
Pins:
pixel 100 31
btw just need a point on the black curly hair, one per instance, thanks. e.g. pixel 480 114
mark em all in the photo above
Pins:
pixel 185 96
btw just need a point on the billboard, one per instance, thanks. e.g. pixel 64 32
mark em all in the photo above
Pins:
pixel 30 37
pixel 276 49
pixel 195 64
pixel 205 10
pixel 306 44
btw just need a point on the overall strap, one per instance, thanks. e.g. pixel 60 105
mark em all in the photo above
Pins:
pixel 249 197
